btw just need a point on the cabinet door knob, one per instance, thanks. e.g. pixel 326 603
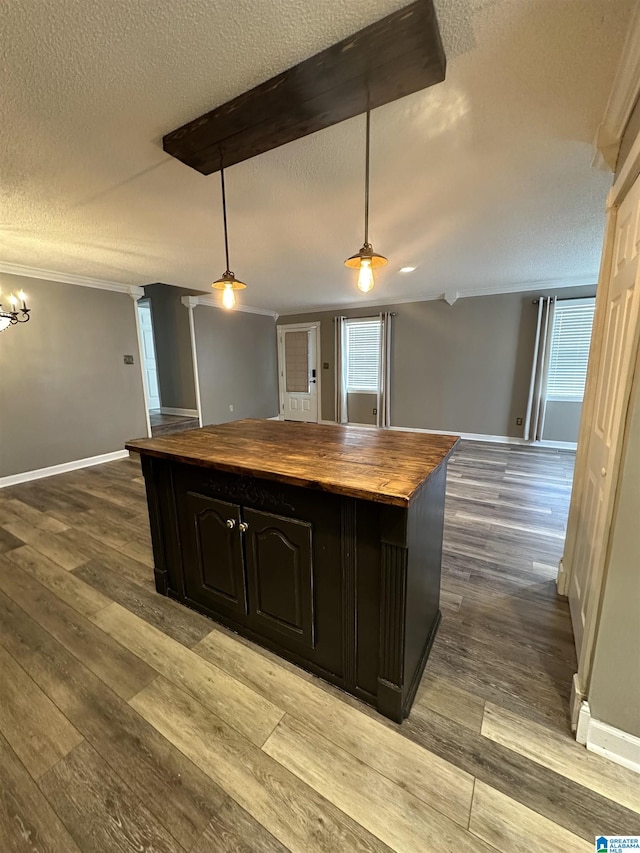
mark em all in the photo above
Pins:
pixel 231 523
pixel 243 526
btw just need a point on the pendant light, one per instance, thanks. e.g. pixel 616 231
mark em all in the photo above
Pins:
pixel 366 260
pixel 227 282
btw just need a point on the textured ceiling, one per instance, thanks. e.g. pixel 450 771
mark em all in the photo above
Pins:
pixel 481 182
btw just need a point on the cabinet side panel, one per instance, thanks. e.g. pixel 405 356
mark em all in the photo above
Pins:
pixel 348 545
pixel 164 525
pixel 367 604
pixel 425 528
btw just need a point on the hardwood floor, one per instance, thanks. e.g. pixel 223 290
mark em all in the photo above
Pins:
pixel 167 424
pixel 129 723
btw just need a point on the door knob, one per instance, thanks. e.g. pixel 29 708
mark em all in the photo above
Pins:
pixel 231 523
pixel 243 526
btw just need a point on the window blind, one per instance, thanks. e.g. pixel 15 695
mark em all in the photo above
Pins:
pixel 569 351
pixel 363 355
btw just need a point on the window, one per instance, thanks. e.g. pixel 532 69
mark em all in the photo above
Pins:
pixel 363 349
pixel 569 351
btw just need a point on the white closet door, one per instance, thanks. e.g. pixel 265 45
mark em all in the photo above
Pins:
pixel 619 346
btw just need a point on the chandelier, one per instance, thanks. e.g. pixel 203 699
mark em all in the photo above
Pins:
pixel 14 314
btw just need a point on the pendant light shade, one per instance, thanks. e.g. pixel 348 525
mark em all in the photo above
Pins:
pixel 366 260
pixel 227 282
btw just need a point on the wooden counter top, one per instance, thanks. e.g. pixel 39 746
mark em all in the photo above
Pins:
pixel 386 466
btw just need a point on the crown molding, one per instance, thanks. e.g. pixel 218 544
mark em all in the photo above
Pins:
pixel 211 302
pixel 375 303
pixel 525 286
pixel 622 99
pixel 68 278
pixel 451 296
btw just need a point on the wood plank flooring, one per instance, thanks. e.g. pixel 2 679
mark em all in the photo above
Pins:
pixel 129 723
pixel 167 424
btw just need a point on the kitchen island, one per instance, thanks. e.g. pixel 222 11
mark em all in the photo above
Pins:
pixel 322 543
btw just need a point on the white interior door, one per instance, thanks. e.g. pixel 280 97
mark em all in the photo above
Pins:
pixel 619 346
pixel 149 355
pixel 298 372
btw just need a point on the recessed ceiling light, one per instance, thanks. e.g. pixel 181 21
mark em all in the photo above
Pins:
pixel 407 269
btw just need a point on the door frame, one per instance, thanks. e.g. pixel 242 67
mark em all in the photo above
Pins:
pixel 299 327
pixel 145 304
pixel 629 173
pixel 145 391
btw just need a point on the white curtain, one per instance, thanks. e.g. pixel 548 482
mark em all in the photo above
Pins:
pixel 341 413
pixel 537 403
pixel 384 393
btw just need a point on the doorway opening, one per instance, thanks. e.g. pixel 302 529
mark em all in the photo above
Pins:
pixel 149 364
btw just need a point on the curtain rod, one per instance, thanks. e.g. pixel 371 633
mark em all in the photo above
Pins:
pixel 367 317
pixel 560 298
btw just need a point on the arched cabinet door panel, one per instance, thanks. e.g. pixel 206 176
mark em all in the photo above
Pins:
pixel 280 575
pixel 214 571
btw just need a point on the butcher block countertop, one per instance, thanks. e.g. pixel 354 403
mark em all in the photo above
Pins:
pixel 385 466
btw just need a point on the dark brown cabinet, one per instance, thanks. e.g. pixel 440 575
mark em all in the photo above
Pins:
pixel 321 543
pixel 280 575
pixel 240 560
pixel 215 575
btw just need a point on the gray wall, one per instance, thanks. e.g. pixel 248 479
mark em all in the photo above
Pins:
pixel 65 392
pixel 237 364
pixel 562 421
pixel 360 408
pixel 614 695
pixel 173 345
pixel 461 368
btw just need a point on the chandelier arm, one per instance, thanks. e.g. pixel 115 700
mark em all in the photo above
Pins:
pixel 224 216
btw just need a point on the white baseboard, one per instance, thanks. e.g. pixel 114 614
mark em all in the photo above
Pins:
pixel 40 473
pixel 603 739
pixel 188 413
pixel 476 436
pixel 469 436
pixel 562 580
pixel 558 445
pixel 580 712
pixel 494 439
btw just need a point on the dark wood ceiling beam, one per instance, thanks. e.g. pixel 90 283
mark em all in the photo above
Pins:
pixel 393 57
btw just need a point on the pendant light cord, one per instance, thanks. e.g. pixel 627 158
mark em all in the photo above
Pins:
pixel 224 215
pixel 366 181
